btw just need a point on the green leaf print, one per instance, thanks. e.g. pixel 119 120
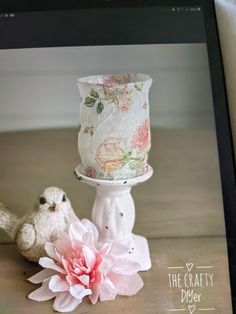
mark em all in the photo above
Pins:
pixel 86 129
pixel 89 130
pixel 139 86
pixel 93 93
pixel 135 164
pixel 89 102
pixel 100 107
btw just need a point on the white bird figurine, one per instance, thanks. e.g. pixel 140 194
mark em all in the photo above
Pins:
pixel 39 225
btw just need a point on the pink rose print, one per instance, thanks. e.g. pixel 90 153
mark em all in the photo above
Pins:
pixel 110 80
pixel 90 172
pixel 116 90
pixel 110 154
pixel 120 96
pixel 124 100
pixel 142 137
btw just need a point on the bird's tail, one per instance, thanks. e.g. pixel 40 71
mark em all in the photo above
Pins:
pixel 8 221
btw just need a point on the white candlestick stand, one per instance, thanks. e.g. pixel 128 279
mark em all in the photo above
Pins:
pixel 114 214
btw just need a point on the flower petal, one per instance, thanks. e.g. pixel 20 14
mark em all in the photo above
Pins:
pixel 108 262
pixel 64 302
pixel 76 230
pixel 79 291
pixel 62 243
pixel 40 276
pixel 47 262
pixel 89 256
pixel 42 294
pixel 95 294
pixel 66 265
pixel 105 248
pixel 126 285
pixel 90 228
pixel 51 251
pixel 107 290
pixel 84 279
pixel 88 240
pixel 126 267
pixel 118 248
pixel 57 284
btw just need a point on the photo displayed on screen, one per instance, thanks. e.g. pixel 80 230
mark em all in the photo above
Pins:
pixel 179 209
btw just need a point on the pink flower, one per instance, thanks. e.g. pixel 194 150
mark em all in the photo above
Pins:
pixel 142 137
pixel 110 154
pixel 77 267
pixel 111 79
pixel 123 99
pixel 116 90
pixel 108 82
pixel 90 172
pixel 120 96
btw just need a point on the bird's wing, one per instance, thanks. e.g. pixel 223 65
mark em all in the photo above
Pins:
pixel 8 221
pixel 25 236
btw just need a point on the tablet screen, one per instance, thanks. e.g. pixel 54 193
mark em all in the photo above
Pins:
pixel 179 209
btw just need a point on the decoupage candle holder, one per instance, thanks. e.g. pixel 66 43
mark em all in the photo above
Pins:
pixel 113 141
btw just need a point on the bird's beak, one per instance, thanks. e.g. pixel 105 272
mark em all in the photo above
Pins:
pixel 53 207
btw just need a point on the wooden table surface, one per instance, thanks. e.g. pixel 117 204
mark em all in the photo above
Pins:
pixel 156 297
pixel 179 209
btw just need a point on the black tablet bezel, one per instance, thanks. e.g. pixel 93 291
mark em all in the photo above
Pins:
pixel 221 109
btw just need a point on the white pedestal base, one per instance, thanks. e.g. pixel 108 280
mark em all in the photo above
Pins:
pixel 114 214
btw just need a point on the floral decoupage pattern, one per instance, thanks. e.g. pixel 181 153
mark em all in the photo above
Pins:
pixel 114 137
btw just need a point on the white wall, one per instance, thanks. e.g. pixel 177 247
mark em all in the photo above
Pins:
pixel 38 86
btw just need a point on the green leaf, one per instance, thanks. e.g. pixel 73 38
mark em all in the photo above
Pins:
pixel 100 107
pixel 135 164
pixel 86 129
pixel 89 102
pixel 139 86
pixel 91 130
pixel 93 93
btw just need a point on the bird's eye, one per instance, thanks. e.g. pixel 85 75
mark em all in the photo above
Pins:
pixel 42 200
pixel 64 198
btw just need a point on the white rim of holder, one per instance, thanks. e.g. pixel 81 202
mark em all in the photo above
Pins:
pixel 129 182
